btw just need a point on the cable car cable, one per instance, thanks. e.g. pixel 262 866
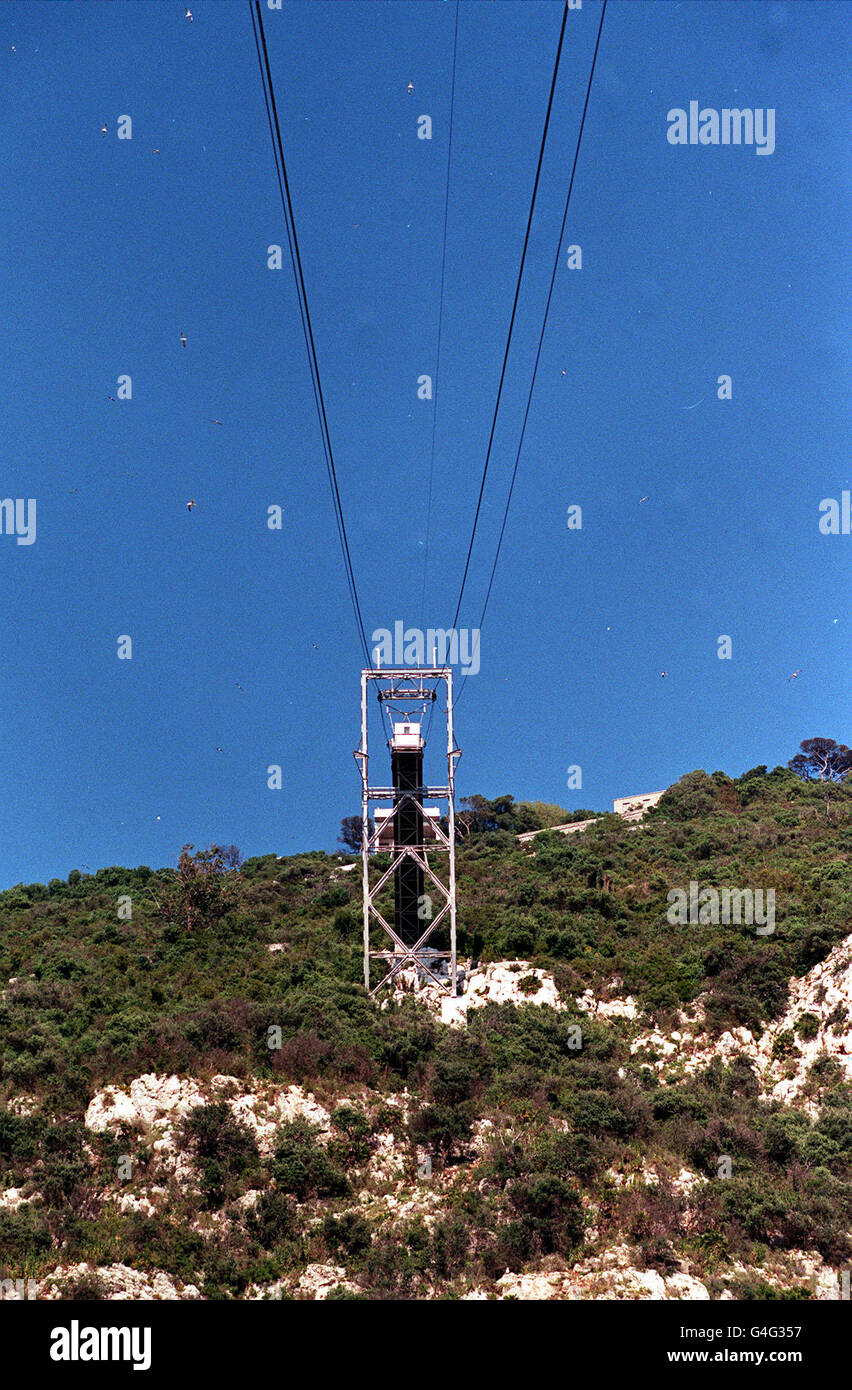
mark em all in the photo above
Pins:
pixel 514 311
pixel 543 328
pixel 295 256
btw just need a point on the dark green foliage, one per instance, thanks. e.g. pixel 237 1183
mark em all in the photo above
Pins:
pixel 451 1246
pixel 24 1235
pixel 807 1026
pixel 804 1212
pixel 224 1151
pixel 86 1288
pixel 19 1139
pixel 479 816
pixel 347 1237
pixel 398 1264
pixel 621 1115
pixel 351 830
pixel 441 1128
pixel 692 797
pixel 156 1243
pixel 274 1219
pixel 301 1165
pixel 749 990
pixel 353 1140
pixel 546 1216
pixel 34 1145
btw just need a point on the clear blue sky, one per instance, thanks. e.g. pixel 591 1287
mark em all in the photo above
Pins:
pixel 698 261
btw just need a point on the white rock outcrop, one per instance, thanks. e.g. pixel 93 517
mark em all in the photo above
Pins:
pixel 13 1198
pixel 501 983
pixel 587 1003
pixel 23 1105
pixel 498 982
pixel 118 1282
pixel 825 994
pixel 615 1275
pixel 316 1282
pixel 620 1281
pixel 156 1104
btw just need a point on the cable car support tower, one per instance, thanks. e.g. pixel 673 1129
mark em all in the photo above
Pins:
pixel 411 832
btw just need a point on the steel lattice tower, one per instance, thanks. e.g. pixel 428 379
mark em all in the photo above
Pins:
pixel 410 831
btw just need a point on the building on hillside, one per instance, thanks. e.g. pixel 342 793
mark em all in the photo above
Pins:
pixel 634 807
pixel 630 808
pixel 570 829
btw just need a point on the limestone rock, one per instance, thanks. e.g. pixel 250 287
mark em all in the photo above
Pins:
pixel 119 1281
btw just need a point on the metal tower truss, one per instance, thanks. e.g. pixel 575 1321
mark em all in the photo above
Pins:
pixel 408 831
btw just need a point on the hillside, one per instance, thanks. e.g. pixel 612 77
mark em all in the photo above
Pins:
pixel 205 1104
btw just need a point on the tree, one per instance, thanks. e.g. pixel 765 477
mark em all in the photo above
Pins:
pixel 822 760
pixel 200 891
pixel 478 815
pixel 540 815
pixel 350 832
pixel 230 856
pixel 693 796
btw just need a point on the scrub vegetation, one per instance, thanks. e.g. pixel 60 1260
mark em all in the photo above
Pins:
pixel 188 985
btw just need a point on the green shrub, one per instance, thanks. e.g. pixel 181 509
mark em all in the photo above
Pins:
pixel 301 1166
pixel 549 1212
pixel 224 1151
pixel 785 1045
pixel 348 1236
pixel 85 1288
pixel 273 1220
pixel 807 1026
pixel 24 1235
pixel 600 1112
pixel 441 1128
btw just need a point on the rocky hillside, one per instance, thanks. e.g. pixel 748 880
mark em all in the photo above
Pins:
pixel 198 1101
